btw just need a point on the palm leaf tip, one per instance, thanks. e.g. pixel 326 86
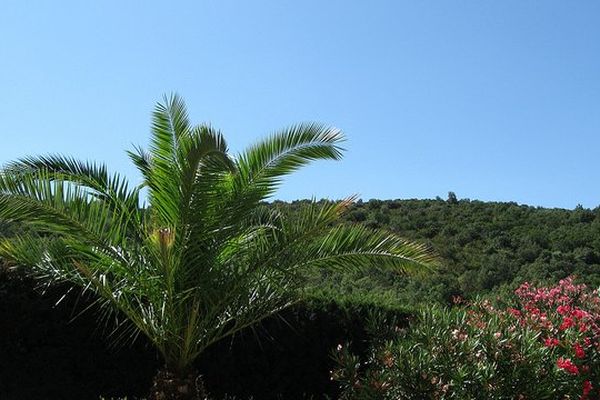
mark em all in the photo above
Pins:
pixel 345 204
pixel 358 247
pixel 419 258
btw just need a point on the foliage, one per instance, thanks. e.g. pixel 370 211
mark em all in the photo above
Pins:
pixel 567 316
pixel 205 259
pixel 48 355
pixel 548 347
pixel 445 357
pixel 485 247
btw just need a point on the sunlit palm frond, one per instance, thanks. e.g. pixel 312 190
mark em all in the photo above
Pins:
pixel 44 201
pixel 263 165
pixel 95 177
pixel 358 247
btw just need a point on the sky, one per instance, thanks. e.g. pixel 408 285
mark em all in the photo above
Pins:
pixel 493 100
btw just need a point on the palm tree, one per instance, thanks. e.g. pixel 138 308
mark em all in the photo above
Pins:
pixel 206 257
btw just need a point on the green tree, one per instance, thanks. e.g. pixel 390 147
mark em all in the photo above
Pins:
pixel 206 257
pixel 452 199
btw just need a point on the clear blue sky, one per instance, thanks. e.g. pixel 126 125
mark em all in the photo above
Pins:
pixel 494 100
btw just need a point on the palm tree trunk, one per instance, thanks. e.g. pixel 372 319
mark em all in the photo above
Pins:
pixel 168 385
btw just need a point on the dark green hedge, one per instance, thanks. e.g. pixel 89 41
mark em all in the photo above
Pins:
pixel 47 356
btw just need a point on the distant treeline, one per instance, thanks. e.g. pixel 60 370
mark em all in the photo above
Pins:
pixel 485 247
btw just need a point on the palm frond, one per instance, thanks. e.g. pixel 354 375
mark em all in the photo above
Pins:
pixel 169 124
pixel 263 165
pixel 43 202
pixel 143 162
pixel 358 247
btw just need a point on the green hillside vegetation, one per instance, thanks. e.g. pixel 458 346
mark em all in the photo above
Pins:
pixel 485 247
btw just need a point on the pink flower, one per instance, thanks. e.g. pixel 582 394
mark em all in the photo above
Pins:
pixel 567 323
pixel 587 388
pixel 567 365
pixel 563 310
pixel 551 342
pixel 514 312
pixel 579 353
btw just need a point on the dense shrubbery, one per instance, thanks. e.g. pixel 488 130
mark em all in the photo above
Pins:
pixel 47 356
pixel 546 347
pixel 486 247
pixel 567 317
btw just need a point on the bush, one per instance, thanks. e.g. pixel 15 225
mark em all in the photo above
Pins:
pixel 47 355
pixel 545 347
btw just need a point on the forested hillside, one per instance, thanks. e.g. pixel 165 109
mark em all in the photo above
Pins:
pixel 484 247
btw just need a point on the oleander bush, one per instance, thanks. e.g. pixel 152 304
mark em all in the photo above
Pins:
pixel 545 346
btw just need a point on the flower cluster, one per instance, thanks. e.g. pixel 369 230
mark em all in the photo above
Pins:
pixel 567 317
pixel 547 345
